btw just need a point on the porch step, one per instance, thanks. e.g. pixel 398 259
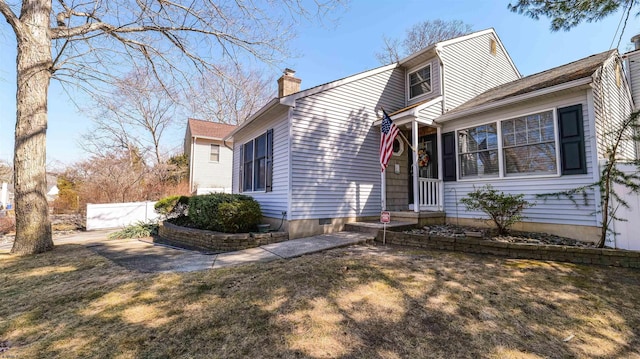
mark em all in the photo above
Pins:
pixel 374 227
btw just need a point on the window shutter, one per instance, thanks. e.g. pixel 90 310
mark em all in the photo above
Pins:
pixel 572 156
pixel 449 156
pixel 241 169
pixel 269 171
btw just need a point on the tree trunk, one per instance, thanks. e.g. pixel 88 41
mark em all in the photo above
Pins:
pixel 33 228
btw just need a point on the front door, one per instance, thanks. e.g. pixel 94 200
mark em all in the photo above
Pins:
pixel 428 156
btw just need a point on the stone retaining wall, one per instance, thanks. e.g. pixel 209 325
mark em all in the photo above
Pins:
pixel 192 238
pixel 598 256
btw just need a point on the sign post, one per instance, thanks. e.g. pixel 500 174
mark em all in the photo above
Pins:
pixel 385 217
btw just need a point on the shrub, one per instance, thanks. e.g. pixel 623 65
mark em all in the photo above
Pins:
pixel 241 216
pixel 138 230
pixel 204 212
pixel 172 206
pixel 7 224
pixel 503 209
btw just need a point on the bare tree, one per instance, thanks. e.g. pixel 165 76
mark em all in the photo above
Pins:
pixel 92 41
pixel 6 172
pixel 136 114
pixel 232 97
pixel 420 36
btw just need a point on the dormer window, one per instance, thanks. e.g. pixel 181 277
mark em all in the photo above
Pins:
pixel 420 82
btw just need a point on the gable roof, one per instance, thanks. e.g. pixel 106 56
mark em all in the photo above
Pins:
pixel 208 129
pixel 583 68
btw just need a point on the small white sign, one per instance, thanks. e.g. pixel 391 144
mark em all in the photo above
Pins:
pixel 385 217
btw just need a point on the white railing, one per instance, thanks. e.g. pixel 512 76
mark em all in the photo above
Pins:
pixel 429 194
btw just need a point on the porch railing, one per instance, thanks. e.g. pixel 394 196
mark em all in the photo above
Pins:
pixel 429 194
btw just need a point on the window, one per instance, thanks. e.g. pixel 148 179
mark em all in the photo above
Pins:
pixel 420 82
pixel 529 145
pixel 214 156
pixel 257 163
pixel 478 151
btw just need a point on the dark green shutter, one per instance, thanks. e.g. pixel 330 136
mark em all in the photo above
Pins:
pixel 241 170
pixel 572 156
pixel 449 156
pixel 269 170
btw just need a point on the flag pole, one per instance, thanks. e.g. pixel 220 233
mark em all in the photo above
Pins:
pixel 402 135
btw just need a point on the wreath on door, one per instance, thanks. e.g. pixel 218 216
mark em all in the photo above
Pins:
pixel 423 158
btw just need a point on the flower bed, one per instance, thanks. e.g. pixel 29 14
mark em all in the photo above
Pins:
pixel 211 241
pixel 460 242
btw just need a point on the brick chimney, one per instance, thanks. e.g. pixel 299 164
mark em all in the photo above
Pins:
pixel 288 84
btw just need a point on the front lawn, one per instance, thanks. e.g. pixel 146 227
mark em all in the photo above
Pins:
pixel 359 302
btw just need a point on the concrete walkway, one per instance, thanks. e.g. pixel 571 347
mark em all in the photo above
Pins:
pixel 146 256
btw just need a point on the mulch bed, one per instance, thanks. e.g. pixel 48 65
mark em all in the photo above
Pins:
pixel 449 230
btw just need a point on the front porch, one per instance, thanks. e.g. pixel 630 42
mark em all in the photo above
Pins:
pixel 413 179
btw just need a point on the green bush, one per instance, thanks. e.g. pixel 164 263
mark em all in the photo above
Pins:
pixel 172 206
pixel 138 230
pixel 503 209
pixel 243 215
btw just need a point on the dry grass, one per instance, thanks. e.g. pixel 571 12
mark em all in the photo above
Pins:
pixel 362 302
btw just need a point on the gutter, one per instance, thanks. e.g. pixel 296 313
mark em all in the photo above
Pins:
pixel 268 106
pixel 515 99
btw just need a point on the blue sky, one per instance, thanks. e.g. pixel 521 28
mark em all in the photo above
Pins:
pixel 329 52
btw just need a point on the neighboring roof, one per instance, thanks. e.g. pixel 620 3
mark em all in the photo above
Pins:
pixel 208 129
pixel 562 74
pixel 52 181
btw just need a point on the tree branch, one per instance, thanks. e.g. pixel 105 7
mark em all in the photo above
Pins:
pixel 12 19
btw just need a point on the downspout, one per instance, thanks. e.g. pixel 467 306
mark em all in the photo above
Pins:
pixel 193 143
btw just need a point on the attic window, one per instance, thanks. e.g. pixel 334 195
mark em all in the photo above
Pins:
pixel 492 47
pixel 420 81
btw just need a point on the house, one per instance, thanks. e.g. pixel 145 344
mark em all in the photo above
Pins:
pixel 6 195
pixel 52 187
pixel 209 155
pixel 311 157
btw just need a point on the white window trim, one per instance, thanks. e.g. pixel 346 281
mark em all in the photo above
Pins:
pixel 501 172
pixel 219 148
pixel 253 165
pixel 400 147
pixel 408 80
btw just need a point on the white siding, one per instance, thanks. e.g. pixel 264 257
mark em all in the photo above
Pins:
pixel 435 81
pixel 275 202
pixel 470 69
pixel 335 161
pixel 612 104
pixel 432 112
pixel 633 67
pixel 207 173
pixel 551 210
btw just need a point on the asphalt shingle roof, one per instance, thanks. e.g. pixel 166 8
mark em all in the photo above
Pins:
pixel 209 129
pixel 558 75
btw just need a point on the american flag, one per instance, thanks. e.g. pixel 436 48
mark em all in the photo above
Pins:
pixel 388 133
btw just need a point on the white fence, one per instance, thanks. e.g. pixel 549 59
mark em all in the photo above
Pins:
pixel 627 232
pixel 116 215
